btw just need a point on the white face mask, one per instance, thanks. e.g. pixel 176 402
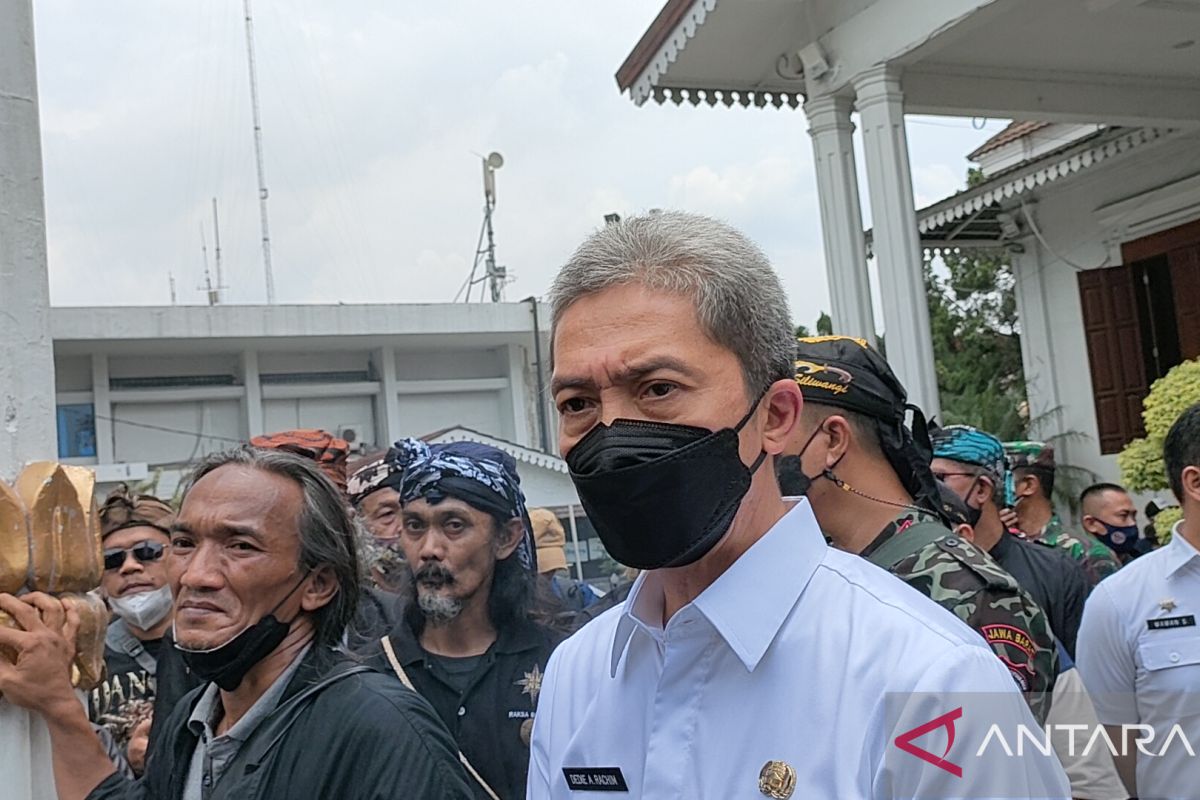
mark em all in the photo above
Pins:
pixel 145 609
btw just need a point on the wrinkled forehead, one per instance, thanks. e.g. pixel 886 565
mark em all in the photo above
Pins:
pixel 237 496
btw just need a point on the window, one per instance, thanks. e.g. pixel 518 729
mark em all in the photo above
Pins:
pixel 1140 320
pixel 76 431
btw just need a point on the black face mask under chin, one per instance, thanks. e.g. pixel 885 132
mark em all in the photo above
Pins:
pixel 226 665
pixel 658 494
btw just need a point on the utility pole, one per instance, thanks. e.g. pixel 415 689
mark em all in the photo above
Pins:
pixel 171 283
pixel 208 285
pixel 258 155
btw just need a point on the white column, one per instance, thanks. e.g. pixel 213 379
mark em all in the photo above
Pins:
pixel 388 410
pixel 102 408
pixel 832 135
pixel 28 430
pixel 896 241
pixel 252 402
pixel 27 425
pixel 519 397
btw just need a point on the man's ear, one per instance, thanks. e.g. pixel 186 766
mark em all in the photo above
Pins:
pixel 784 403
pixel 841 436
pixel 964 531
pixel 982 491
pixel 322 586
pixel 1190 480
pixel 510 535
pixel 1091 524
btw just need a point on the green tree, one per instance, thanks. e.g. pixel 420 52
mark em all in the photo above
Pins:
pixel 976 340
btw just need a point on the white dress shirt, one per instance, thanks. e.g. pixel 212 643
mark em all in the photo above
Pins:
pixel 1139 656
pixel 789 656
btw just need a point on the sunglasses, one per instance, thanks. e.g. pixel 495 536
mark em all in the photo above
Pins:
pixel 144 552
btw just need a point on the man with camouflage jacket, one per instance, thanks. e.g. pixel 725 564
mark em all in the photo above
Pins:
pixel 1032 468
pixel 867 477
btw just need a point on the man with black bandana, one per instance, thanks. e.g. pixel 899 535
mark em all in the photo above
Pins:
pixel 466 642
pixel 972 465
pixel 867 476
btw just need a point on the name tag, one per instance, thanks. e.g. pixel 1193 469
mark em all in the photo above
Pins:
pixel 595 779
pixel 1166 623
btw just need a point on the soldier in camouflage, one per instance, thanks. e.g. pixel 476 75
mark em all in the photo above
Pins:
pixel 867 477
pixel 1032 491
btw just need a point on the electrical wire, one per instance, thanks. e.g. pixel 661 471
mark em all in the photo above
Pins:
pixel 165 429
pixel 1038 235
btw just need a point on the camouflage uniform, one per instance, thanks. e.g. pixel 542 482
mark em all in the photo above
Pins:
pixel 963 579
pixel 1097 560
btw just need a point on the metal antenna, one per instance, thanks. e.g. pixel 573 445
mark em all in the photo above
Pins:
pixel 171 283
pixel 495 275
pixel 208 286
pixel 258 155
pixel 217 249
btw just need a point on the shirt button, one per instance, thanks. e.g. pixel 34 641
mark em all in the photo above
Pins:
pixel 462 711
pixel 1174 658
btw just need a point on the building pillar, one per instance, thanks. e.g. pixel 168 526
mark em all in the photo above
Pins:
pixel 106 443
pixel 387 414
pixel 28 428
pixel 1037 354
pixel 252 403
pixel 897 243
pixel 518 392
pixel 832 135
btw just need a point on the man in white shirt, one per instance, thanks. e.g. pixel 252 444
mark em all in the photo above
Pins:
pixel 750 659
pixel 1139 645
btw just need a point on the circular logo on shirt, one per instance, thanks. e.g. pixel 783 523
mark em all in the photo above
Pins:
pixel 777 780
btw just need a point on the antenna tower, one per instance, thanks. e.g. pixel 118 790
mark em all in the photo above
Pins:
pixel 258 155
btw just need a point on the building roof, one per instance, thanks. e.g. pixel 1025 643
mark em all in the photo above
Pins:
pixel 461 433
pixel 652 41
pixel 1011 133
pixel 972 218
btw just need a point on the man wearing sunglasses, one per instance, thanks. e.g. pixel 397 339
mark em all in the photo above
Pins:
pixel 135 529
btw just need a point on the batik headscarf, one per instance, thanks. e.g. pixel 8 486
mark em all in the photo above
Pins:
pixel 317 445
pixel 969 445
pixel 481 476
pixel 381 473
pixel 125 509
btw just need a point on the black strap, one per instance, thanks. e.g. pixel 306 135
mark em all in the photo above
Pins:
pixel 256 749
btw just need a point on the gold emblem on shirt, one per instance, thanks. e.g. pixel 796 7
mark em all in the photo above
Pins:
pixel 531 684
pixel 1167 604
pixel 777 780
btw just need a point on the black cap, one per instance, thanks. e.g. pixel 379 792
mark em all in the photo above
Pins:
pixel 848 373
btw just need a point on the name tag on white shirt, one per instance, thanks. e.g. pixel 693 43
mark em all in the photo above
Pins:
pixel 1166 623
pixel 595 779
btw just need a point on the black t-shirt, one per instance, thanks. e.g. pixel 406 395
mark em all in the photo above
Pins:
pixel 457 672
pixel 126 695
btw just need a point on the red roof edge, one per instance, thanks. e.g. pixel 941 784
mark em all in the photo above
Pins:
pixel 652 41
pixel 1018 129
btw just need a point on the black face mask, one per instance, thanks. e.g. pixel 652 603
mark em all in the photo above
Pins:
pixel 790 471
pixel 227 664
pixel 973 513
pixel 660 495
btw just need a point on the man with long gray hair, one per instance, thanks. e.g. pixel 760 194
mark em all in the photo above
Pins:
pixel 673 376
pixel 266 578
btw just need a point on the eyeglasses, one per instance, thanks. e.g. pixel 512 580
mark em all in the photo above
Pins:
pixel 144 552
pixel 941 476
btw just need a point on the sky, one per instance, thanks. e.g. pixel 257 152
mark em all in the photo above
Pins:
pixel 375 114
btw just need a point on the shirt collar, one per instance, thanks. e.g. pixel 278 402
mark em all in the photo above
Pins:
pixel 749 602
pixel 204 716
pixel 1179 550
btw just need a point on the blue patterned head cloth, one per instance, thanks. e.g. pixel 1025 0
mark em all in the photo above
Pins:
pixel 969 445
pixel 479 475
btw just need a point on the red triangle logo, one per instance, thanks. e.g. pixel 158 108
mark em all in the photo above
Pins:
pixel 905 741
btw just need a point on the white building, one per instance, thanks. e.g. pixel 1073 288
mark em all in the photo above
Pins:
pixel 1103 229
pixel 144 391
pixel 1120 200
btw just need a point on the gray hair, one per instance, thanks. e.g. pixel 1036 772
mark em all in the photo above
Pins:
pixel 739 300
pixel 326 529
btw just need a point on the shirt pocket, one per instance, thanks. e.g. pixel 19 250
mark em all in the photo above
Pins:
pixel 1169 683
